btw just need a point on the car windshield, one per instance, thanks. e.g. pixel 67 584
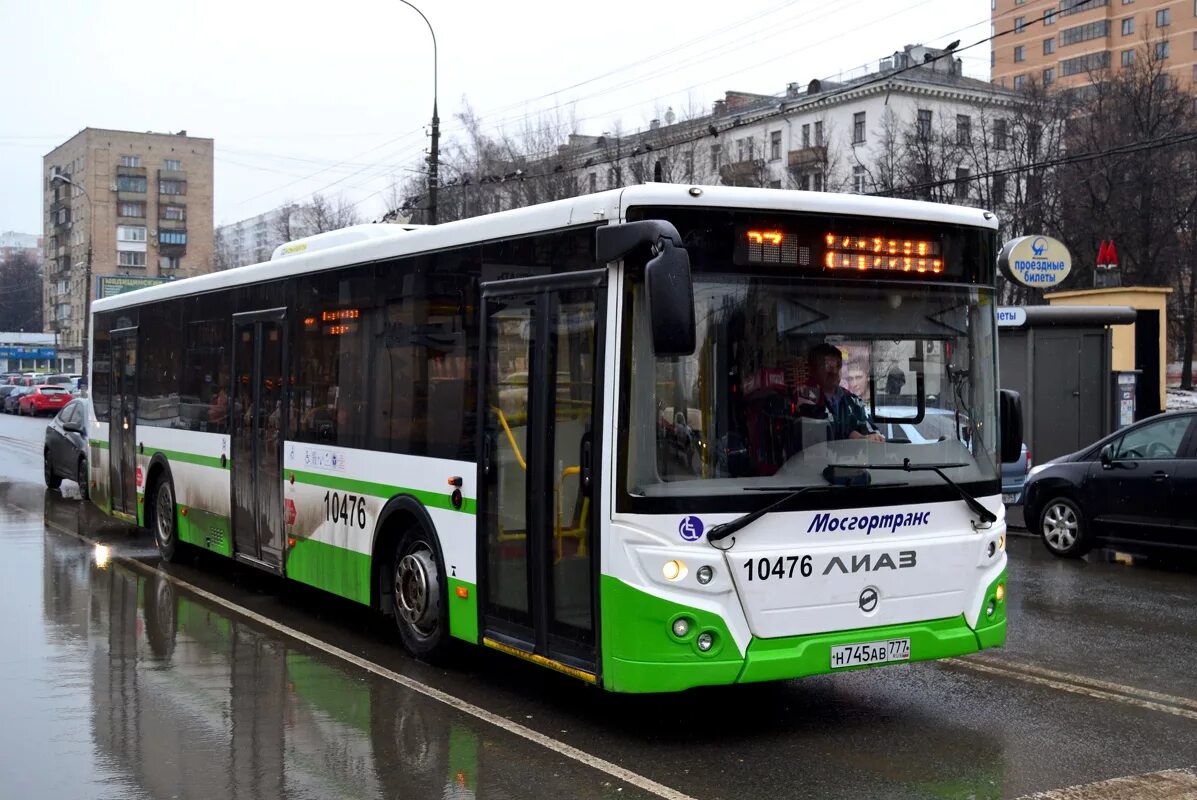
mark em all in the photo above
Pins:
pixel 791 375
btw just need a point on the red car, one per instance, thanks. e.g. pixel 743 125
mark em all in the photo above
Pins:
pixel 44 399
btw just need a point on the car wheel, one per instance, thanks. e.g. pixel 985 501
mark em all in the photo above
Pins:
pixel 1063 528
pixel 81 477
pixel 52 480
pixel 420 596
pixel 166 534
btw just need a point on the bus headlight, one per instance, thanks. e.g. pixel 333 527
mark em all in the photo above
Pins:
pixel 681 627
pixel 673 570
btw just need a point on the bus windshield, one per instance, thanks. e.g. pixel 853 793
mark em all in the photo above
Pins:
pixel 792 374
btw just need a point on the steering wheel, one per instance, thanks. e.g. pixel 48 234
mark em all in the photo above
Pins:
pixel 1159 450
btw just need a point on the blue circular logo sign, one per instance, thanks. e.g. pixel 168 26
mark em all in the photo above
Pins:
pixel 690 529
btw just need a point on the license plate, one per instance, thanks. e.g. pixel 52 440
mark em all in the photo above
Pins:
pixel 1009 497
pixel 856 655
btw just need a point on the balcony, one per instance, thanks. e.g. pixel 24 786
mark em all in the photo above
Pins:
pixel 137 172
pixel 807 158
pixel 172 225
pixel 743 173
pixel 172 175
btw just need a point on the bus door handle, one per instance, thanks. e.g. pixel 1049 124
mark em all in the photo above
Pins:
pixel 584 462
pixel 488 448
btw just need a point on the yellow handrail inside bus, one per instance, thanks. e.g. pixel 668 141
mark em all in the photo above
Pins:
pixel 510 437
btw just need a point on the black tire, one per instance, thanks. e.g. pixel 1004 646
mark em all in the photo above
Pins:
pixel 420 595
pixel 81 477
pixel 162 518
pixel 1063 528
pixel 52 480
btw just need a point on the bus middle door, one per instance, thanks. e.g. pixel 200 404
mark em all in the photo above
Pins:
pixel 122 437
pixel 257 416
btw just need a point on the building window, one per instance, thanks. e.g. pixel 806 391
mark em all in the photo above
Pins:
pixel 1018 81
pixel 1049 46
pixel 168 262
pixel 775 145
pixel 130 183
pixel 739 149
pixel 923 125
pixel 173 212
pixel 999 189
pixel 818 182
pixel 132 209
pixel 1195 39
pixel 1128 58
pixel 858 127
pixel 172 164
pixel 1163 18
pixel 859 179
pixel 1127 2
pixel 1072 7
pixel 804 182
pixel 961 186
pixel 130 161
pixel 715 152
pixel 806 135
pixel 1020 24
pixel 1092 61
pixel 172 237
pixel 127 258
pixel 1161 49
pixel 1049 17
pixel 964 129
pixel 1128 26
pixel 1019 53
pixel 172 187
pixel 1084 33
pixel 1049 76
pixel 992 58
pixel 130 233
pixel 819 134
pixel 593 182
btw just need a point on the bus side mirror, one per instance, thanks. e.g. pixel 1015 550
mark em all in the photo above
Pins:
pixel 671 301
pixel 1010 425
pixel 666 278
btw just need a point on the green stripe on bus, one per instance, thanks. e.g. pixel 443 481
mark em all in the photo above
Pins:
pixel 386 490
pixel 187 458
pixel 331 568
pixel 96 443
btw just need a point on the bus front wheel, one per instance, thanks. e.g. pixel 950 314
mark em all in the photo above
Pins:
pixel 419 593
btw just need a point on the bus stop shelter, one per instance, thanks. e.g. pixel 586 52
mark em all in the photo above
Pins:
pixel 1059 359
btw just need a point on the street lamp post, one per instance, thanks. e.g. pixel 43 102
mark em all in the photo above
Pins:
pixel 434 152
pixel 86 336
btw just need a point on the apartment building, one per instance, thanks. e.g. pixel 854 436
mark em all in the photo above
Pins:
pixel 1061 43
pixel 13 244
pixel 141 201
pixel 252 240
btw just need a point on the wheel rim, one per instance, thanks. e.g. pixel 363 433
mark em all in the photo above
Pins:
pixel 417 589
pixel 1060 526
pixel 164 520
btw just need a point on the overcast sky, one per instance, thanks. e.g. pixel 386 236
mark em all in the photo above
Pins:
pixel 336 96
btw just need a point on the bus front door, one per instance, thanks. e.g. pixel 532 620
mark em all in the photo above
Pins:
pixel 538 468
pixel 257 414
pixel 122 436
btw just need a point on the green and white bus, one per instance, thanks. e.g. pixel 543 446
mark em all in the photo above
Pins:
pixel 581 433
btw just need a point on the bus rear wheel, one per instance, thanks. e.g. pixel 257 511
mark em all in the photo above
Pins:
pixel 420 596
pixel 162 522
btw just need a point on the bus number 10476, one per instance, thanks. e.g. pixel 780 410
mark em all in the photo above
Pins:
pixel 764 568
pixel 347 508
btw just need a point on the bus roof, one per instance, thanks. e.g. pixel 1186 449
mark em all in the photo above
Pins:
pixel 367 243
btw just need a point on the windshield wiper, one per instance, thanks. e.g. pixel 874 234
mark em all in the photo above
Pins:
pixel 726 529
pixel 981 511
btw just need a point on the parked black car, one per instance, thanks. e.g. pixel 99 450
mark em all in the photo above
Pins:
pixel 13 399
pixel 66 447
pixel 1136 488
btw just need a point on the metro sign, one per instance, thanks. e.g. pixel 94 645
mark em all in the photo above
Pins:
pixel 1107 255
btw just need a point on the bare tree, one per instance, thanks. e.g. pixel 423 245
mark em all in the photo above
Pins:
pixel 20 294
pixel 322 214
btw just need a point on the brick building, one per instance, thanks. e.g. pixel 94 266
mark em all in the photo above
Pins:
pixel 1060 43
pixel 144 203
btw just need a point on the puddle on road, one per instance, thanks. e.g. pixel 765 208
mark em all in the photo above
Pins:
pixel 132 688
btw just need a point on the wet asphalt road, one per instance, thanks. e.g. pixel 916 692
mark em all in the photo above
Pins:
pixel 117 681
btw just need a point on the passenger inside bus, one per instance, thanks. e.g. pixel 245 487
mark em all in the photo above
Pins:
pixel 825 398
